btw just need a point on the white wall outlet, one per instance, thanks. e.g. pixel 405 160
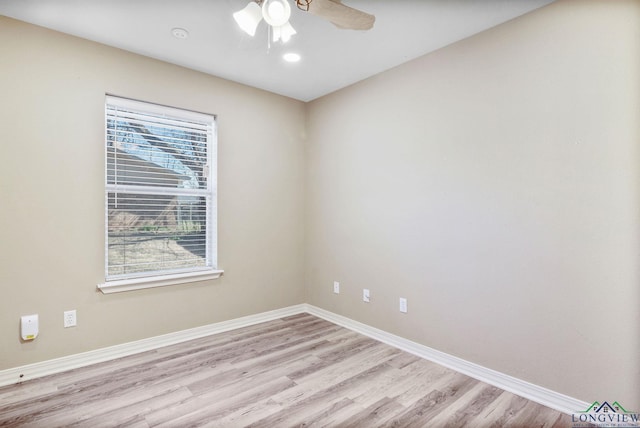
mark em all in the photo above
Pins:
pixel 403 305
pixel 365 295
pixel 70 318
pixel 336 287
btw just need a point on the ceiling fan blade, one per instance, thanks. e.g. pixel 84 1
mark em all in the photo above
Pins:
pixel 341 15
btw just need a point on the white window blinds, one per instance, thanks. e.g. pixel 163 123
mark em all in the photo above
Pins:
pixel 160 190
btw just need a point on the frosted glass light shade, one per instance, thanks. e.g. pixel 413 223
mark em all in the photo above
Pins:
pixel 249 18
pixel 276 12
pixel 283 32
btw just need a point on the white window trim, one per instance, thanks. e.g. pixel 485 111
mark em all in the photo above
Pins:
pixel 161 280
pixel 158 281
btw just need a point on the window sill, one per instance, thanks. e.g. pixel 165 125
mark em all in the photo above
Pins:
pixel 157 281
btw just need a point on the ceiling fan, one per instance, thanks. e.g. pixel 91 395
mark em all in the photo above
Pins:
pixel 342 16
pixel 276 13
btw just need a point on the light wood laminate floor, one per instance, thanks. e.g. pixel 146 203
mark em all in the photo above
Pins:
pixel 295 371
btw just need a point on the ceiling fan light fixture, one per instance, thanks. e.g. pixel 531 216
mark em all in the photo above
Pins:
pixel 276 12
pixel 283 32
pixel 249 18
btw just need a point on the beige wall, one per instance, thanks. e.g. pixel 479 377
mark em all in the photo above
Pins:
pixel 495 184
pixel 52 90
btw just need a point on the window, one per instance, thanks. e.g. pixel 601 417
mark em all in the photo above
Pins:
pixel 160 196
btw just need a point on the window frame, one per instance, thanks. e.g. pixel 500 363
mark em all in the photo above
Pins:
pixel 163 277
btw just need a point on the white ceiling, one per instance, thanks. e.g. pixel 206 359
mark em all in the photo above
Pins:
pixel 331 58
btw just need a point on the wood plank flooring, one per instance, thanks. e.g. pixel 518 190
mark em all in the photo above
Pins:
pixel 295 371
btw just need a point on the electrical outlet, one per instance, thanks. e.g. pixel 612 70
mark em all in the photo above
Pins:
pixel 336 287
pixel 69 318
pixel 403 305
pixel 365 295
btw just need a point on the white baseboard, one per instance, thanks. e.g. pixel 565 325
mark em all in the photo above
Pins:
pixel 530 391
pixel 519 387
pixel 58 365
